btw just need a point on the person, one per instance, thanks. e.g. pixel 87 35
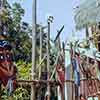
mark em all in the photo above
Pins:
pixel 82 97
pixel 47 95
pixel 8 70
pixel 61 78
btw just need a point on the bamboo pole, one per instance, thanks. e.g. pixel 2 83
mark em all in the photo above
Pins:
pixel 71 54
pixel 87 32
pixel 33 46
pixel 10 98
pixel 70 94
pixel 63 50
pixel 48 60
pixel 57 40
pixel 0 91
pixel 67 91
pixel 58 90
pixel 40 57
pixel 59 93
pixel 50 20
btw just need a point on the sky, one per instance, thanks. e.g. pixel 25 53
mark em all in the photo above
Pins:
pixel 63 13
pixel 61 10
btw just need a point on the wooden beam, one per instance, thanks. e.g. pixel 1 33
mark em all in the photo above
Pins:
pixel 42 81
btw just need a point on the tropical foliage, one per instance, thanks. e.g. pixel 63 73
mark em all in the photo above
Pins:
pixel 19 35
pixel 18 32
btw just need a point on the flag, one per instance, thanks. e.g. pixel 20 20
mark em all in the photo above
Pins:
pixel 75 64
pixel 76 71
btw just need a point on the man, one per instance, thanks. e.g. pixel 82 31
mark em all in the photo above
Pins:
pixel 8 70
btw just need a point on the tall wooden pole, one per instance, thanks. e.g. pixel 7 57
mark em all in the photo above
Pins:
pixel 50 20
pixel 66 84
pixel 33 46
pixel 0 39
pixel 87 34
pixel 59 93
pixel 0 92
pixel 87 31
pixel 40 58
pixel 48 59
pixel 69 88
pixel 71 55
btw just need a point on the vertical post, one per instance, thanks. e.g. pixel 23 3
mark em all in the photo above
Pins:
pixel 0 92
pixel 67 85
pixel 87 32
pixel 69 88
pixel 48 59
pixel 59 93
pixel 87 35
pixel 40 58
pixel 71 55
pixel 50 19
pixel 98 38
pixel 63 50
pixel 33 46
pixel 59 43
